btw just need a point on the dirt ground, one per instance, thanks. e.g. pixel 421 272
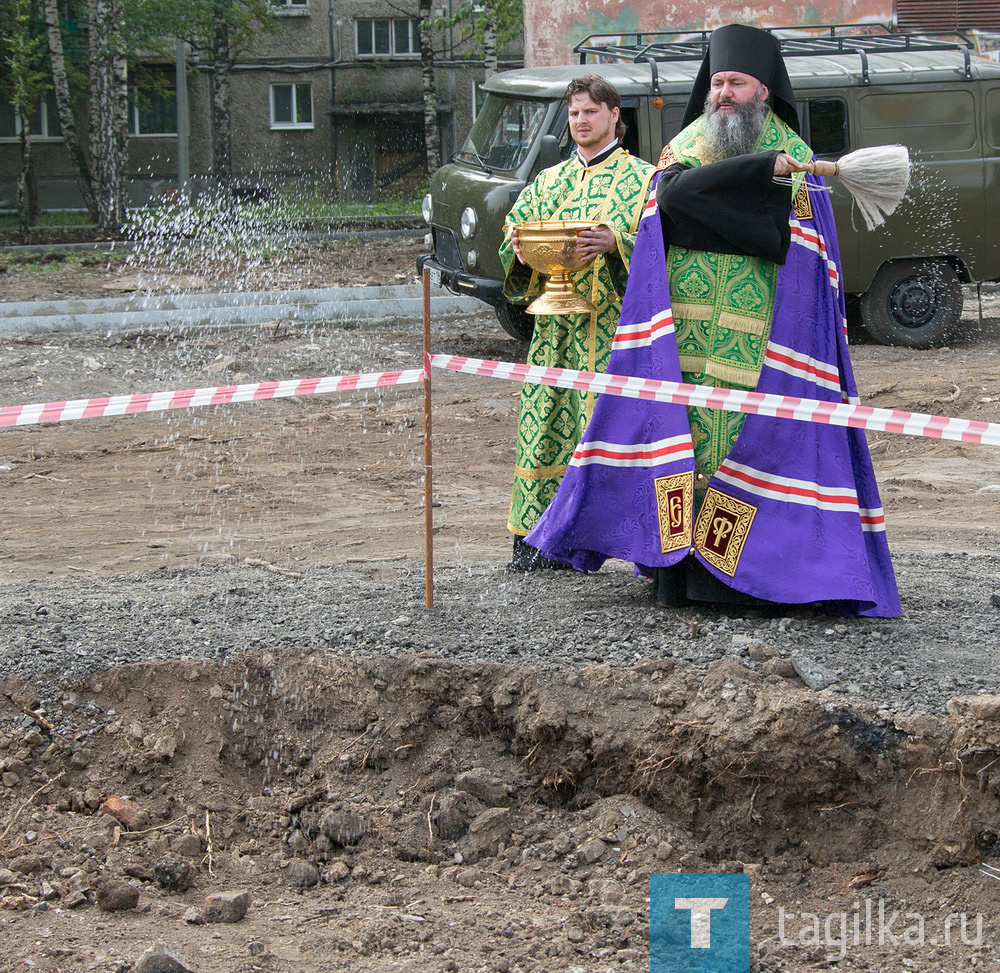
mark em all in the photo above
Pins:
pixel 414 813
pixel 30 275
pixel 256 481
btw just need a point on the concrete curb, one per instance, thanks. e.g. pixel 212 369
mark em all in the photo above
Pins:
pixel 238 308
pixel 106 245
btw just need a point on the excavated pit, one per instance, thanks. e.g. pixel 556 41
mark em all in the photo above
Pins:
pixel 486 802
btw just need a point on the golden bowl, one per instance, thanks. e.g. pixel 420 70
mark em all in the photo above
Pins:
pixel 549 247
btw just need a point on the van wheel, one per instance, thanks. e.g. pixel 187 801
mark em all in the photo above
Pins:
pixel 913 303
pixel 515 321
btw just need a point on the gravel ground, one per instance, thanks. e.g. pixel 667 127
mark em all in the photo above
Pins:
pixel 945 645
pixel 63 628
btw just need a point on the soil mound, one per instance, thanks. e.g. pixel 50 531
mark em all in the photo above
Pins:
pixel 412 812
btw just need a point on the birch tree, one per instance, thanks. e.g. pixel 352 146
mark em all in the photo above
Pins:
pixel 490 26
pixel 64 106
pixel 489 30
pixel 432 136
pixel 115 31
pixel 108 89
pixel 485 27
pixel 221 53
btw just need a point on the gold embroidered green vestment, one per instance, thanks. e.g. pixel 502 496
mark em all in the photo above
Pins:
pixel 552 420
pixel 722 305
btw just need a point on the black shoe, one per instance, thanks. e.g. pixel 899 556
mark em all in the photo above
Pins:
pixel 528 558
pixel 670 586
pixel 690 583
pixel 524 558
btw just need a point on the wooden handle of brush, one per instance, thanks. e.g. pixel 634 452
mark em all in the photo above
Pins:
pixel 822 168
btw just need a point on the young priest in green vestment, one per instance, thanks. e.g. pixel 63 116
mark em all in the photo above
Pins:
pixel 601 181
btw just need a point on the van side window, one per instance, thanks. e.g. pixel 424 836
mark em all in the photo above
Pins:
pixel 560 129
pixel 827 126
pixel 938 121
pixel 630 116
pixel 670 120
pixel 993 117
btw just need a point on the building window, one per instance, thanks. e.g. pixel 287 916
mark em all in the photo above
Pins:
pixel 293 8
pixel 388 38
pixel 43 120
pixel 291 106
pixel 152 100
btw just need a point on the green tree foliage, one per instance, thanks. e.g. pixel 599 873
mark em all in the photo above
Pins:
pixel 478 16
pixel 22 50
pixel 25 83
pixel 485 27
pixel 220 32
pixel 197 22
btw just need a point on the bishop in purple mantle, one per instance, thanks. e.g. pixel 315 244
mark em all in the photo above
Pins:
pixel 789 510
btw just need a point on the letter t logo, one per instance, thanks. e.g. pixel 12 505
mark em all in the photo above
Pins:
pixel 701 919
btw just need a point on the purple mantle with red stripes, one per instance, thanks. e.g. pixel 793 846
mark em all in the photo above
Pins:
pixel 793 513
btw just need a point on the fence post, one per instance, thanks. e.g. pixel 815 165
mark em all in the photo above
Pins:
pixel 428 479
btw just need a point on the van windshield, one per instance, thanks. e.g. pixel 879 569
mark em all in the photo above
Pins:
pixel 503 131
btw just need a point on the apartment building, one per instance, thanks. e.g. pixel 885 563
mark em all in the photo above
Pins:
pixel 333 97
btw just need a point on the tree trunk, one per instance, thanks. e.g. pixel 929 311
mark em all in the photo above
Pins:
pixel 490 38
pixel 109 112
pixel 432 134
pixel 67 121
pixel 25 208
pixel 222 154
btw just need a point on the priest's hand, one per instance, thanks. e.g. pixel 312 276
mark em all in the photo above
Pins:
pixel 515 242
pixel 784 165
pixel 594 240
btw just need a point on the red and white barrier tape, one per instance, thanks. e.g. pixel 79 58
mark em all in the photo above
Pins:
pixel 734 400
pixel 121 405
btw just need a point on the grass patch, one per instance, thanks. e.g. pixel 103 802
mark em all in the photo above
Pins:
pixel 56 217
pixel 316 209
pixel 54 260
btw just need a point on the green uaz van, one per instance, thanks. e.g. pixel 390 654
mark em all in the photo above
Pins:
pixel 904 279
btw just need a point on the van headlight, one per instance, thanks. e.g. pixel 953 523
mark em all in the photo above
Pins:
pixel 427 208
pixel 468 223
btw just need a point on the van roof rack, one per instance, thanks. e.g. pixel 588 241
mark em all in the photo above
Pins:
pixel 810 40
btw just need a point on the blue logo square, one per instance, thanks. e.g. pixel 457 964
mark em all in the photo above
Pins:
pixel 700 923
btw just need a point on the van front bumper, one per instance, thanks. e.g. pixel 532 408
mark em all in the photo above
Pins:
pixel 461 282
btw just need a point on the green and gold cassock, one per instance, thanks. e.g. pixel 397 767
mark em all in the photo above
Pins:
pixel 722 304
pixel 552 420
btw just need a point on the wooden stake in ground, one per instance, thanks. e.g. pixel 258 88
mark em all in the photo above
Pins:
pixel 877 178
pixel 428 482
